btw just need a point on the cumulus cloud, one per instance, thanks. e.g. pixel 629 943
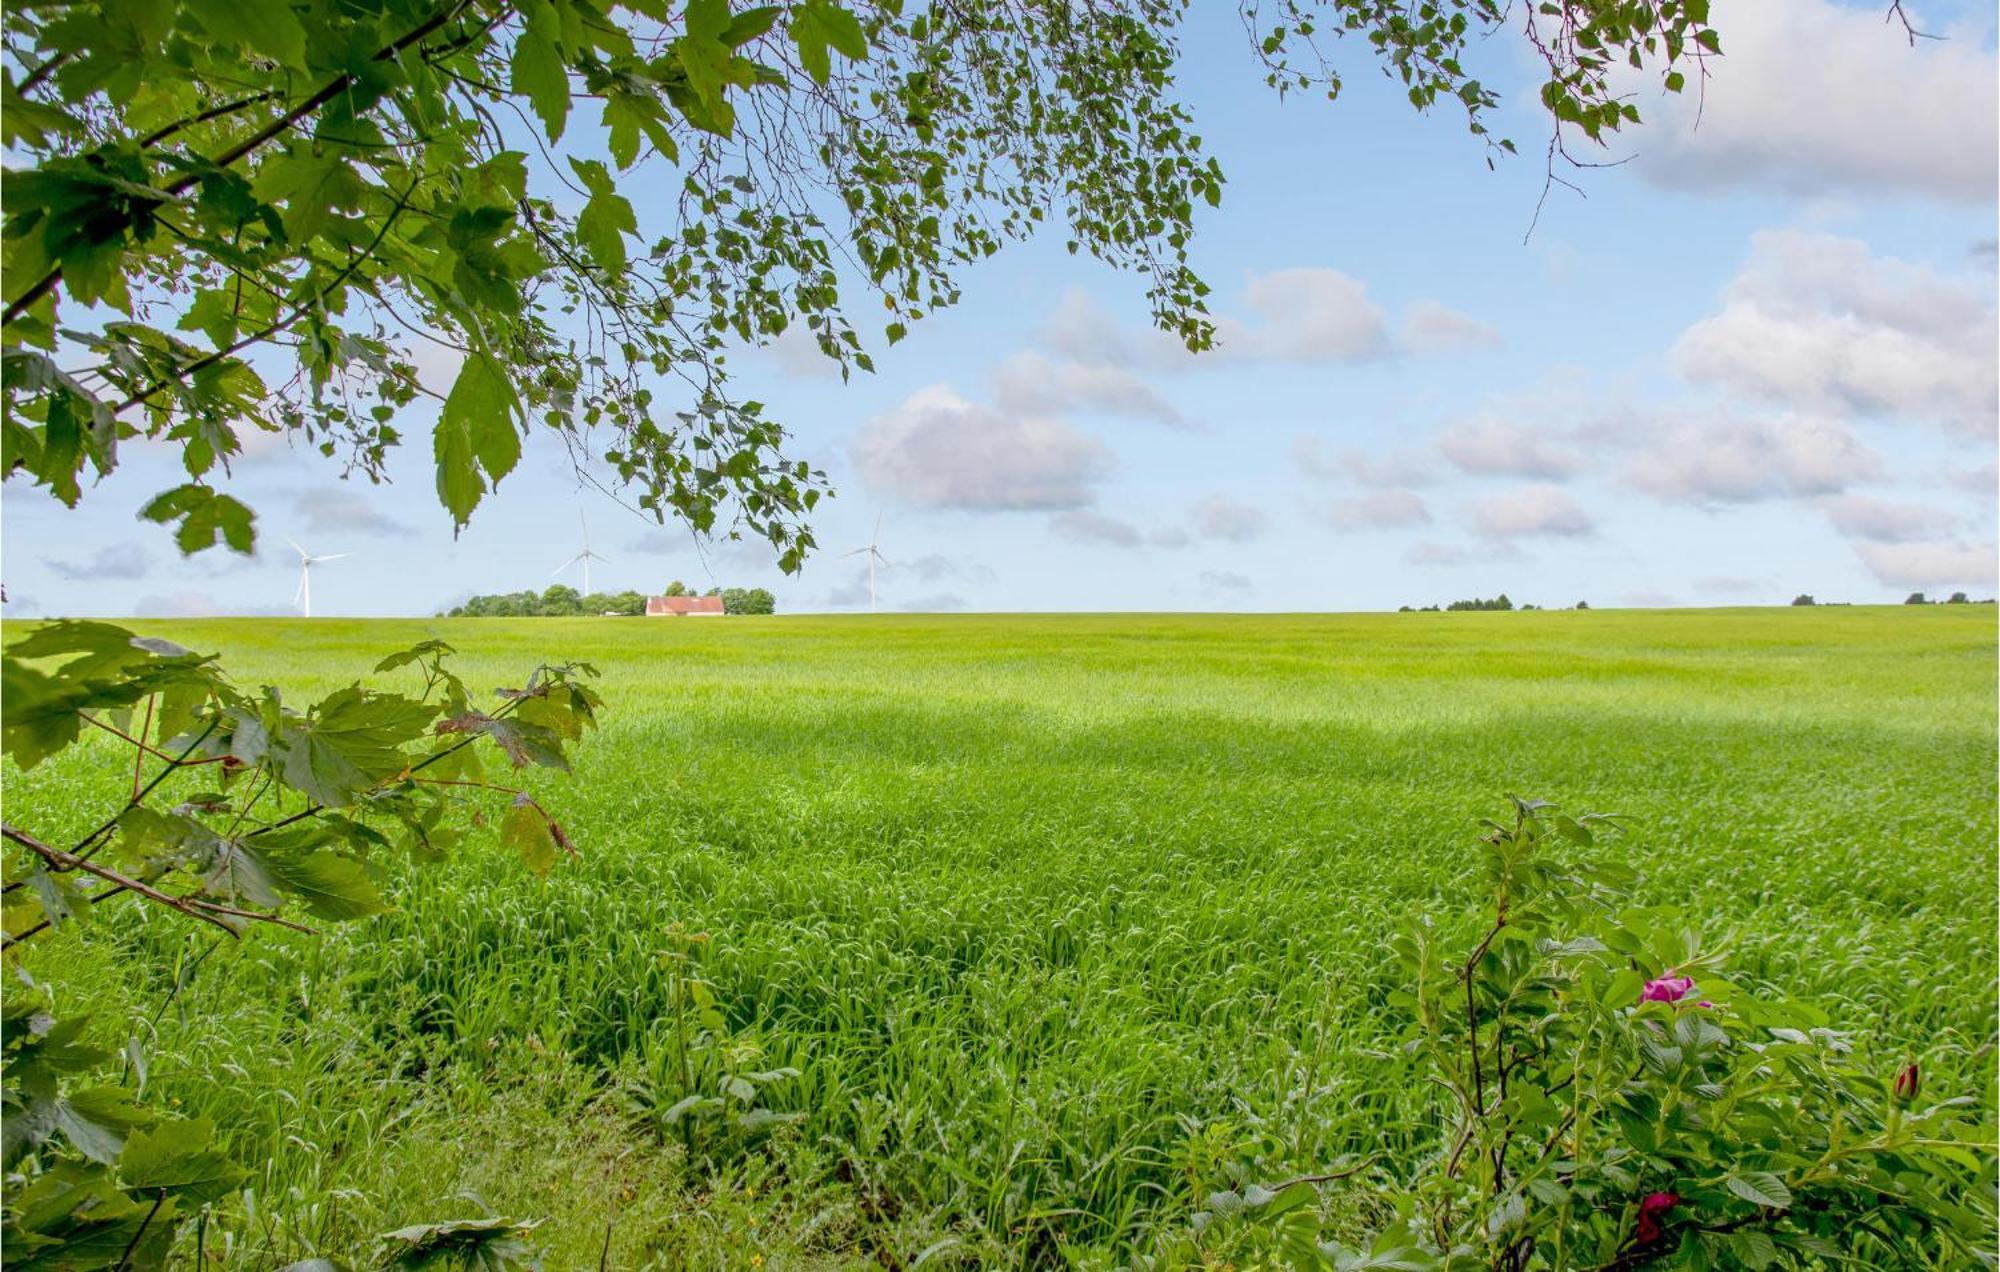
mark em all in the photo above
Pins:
pixel 1389 468
pixel 1378 510
pixel 1031 384
pixel 1489 445
pixel 1082 331
pixel 1093 527
pixel 1884 521
pixel 1225 581
pixel 1226 519
pixel 1431 552
pixel 1431 327
pixel 1306 315
pixel 1818 322
pixel 1814 97
pixel 935 566
pixel 344 511
pixel 1531 511
pixel 938 450
pixel 114 561
pixel 1736 460
pixel 1930 564
pixel 797 353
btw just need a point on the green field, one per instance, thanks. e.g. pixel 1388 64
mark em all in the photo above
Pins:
pixel 1045 911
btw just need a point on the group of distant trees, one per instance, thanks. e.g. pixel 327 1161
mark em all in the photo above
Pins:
pixel 1500 602
pixel 561 601
pixel 1917 598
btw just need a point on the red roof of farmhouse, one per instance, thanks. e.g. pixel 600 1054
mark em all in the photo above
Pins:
pixel 657 605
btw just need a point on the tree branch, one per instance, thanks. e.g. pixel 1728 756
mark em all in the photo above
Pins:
pixel 277 127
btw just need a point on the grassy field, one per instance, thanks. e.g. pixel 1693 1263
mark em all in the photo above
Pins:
pixel 1048 913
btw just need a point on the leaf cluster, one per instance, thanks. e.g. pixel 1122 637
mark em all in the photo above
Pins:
pixel 256 811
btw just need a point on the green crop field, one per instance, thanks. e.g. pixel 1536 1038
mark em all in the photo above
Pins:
pixel 1047 913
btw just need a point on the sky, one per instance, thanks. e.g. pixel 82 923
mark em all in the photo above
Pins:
pixel 1755 358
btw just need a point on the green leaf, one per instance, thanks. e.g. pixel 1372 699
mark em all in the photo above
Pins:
pixel 263 26
pixel 205 517
pixel 331 885
pixel 525 830
pixel 538 71
pixel 1762 1188
pixel 605 219
pixel 175 1156
pixel 97 1120
pixel 476 431
pixel 350 743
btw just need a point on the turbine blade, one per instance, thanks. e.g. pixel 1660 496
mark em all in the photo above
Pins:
pixel 565 565
pixel 857 552
pixel 296 548
pixel 879 557
pixel 335 557
pixel 874 538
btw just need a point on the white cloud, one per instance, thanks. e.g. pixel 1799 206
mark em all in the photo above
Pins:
pixel 1883 521
pixel 938 450
pixel 1094 527
pixel 1930 564
pixel 1030 384
pixel 1390 468
pixel 1813 97
pixel 1734 460
pixel 115 561
pixel 1431 327
pixel 1082 331
pixel 1431 552
pixel 1488 445
pixel 1380 509
pixel 1225 581
pixel 797 353
pixel 1220 517
pixel 337 511
pixel 1818 322
pixel 1308 315
pixel 1531 511
pixel 935 566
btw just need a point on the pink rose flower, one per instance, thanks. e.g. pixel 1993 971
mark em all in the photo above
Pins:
pixel 1666 989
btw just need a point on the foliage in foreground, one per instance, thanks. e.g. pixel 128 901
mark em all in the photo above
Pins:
pixel 210 192
pixel 290 813
pixel 1611 1100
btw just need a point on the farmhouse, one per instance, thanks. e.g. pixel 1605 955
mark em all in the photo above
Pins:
pixel 685 606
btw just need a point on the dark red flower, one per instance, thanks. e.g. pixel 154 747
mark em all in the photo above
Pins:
pixel 1650 1210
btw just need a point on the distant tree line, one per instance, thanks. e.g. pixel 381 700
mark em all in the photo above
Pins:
pixel 1956 598
pixel 1500 602
pixel 561 601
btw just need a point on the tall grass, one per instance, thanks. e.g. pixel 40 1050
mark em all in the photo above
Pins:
pixel 1049 912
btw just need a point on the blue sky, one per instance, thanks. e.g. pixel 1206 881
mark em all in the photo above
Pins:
pixel 1757 359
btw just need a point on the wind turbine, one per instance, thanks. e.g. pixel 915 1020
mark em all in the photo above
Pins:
pixel 586 556
pixel 874 556
pixel 303 598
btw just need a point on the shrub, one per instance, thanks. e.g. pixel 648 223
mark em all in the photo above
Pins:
pixel 1609 1098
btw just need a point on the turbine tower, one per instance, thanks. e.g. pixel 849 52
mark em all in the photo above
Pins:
pixel 874 556
pixel 303 598
pixel 586 556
